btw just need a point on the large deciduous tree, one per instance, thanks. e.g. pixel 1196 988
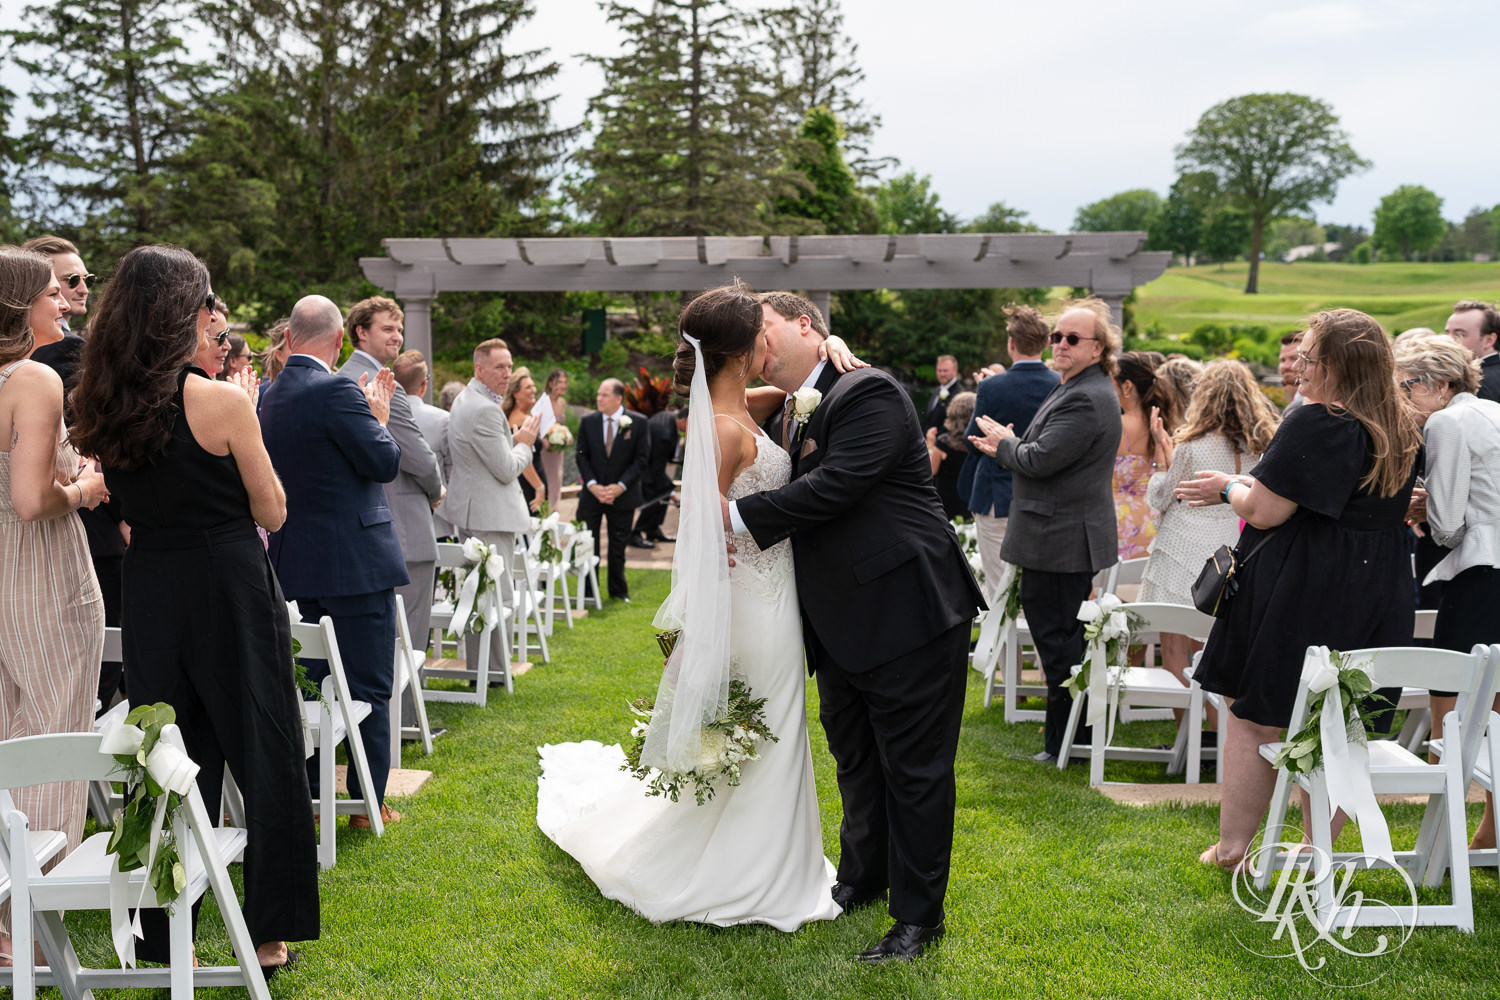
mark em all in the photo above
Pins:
pixel 1179 226
pixel 1409 221
pixel 1273 154
pixel 1129 210
pixel 689 137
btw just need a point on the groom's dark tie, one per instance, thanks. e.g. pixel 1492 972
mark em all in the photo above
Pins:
pixel 786 424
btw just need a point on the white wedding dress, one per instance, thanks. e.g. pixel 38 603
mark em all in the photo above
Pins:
pixel 754 852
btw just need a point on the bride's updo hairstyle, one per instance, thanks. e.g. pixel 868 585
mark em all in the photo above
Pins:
pixel 725 320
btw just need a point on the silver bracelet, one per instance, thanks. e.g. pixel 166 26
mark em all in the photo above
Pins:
pixel 80 495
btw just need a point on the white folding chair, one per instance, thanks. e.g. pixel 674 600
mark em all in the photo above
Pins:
pixel 1442 839
pixel 45 845
pixel 1153 686
pixel 407 687
pixel 1416 701
pixel 584 569
pixel 333 720
pixel 451 555
pixel 554 577
pixel 526 599
pixel 81 881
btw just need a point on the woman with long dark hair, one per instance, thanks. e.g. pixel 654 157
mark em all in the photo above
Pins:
pixel 204 623
pixel 51 613
pixel 1140 393
pixel 1333 487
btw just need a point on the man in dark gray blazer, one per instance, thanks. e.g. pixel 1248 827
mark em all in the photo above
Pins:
pixel 375 331
pixel 1062 527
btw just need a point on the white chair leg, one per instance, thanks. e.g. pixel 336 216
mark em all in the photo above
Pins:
pixel 1275 823
pixel 181 931
pixel 327 841
pixel 23 955
pixel 1068 732
pixel 1319 819
pixel 1194 733
pixel 57 948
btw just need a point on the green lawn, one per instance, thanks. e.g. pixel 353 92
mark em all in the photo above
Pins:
pixel 1055 890
pixel 1398 295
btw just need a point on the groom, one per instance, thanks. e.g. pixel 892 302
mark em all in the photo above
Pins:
pixel 887 601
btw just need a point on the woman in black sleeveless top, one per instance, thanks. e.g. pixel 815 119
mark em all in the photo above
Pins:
pixel 204 623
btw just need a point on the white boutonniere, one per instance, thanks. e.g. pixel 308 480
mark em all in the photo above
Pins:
pixel 625 422
pixel 943 395
pixel 804 402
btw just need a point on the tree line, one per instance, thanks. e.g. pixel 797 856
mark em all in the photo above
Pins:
pixel 281 140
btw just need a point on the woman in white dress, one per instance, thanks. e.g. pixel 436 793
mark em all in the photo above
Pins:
pixel 754 852
pixel 1229 423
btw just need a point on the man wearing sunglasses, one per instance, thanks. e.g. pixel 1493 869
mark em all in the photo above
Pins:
pixel 71 274
pixel 1062 527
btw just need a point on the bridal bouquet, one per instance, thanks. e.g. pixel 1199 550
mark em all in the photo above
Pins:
pixel 727 742
pixel 558 436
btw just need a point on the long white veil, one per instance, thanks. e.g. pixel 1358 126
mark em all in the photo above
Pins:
pixel 694 686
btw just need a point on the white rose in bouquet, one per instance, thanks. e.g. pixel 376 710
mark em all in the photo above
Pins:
pixel 558 436
pixel 473 549
pixel 494 566
pixel 1088 611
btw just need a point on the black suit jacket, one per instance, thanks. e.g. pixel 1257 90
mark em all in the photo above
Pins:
pixel 625 465
pixel 664 437
pixel 880 571
pixel 1489 378
pixel 937 407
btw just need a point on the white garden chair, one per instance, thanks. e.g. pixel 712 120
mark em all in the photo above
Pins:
pixel 526 600
pixel 333 720
pixel 584 568
pixel 1442 840
pixel 1416 701
pixel 1152 686
pixel 406 689
pixel 451 555
pixel 81 881
pixel 554 578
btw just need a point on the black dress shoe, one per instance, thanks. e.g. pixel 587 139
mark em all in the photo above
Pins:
pixel 901 941
pixel 641 542
pixel 1044 757
pixel 659 537
pixel 850 898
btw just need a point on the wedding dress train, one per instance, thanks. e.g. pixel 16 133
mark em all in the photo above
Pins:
pixel 753 853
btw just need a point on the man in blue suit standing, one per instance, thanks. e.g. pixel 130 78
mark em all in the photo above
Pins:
pixel 338 554
pixel 1012 397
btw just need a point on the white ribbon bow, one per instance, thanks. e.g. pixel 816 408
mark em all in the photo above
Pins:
pixel 469 594
pixel 996 628
pixel 1346 763
pixel 174 771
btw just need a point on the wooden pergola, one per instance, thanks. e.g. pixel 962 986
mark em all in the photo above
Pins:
pixel 416 271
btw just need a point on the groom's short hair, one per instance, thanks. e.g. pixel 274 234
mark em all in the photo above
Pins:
pixel 790 306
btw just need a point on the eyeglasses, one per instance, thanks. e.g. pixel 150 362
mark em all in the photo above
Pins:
pixel 1071 338
pixel 72 280
pixel 222 337
pixel 1407 383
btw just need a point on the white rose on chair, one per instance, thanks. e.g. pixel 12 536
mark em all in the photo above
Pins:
pixel 473 549
pixel 804 402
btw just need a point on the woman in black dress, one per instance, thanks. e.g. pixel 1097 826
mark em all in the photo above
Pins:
pixel 204 622
pixel 1333 486
pixel 946 450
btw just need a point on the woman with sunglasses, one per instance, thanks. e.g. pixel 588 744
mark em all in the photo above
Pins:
pixel 238 358
pixel 1441 378
pixel 204 622
pixel 1326 512
pixel 51 611
pixel 214 347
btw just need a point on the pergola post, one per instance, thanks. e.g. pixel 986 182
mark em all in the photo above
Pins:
pixel 822 301
pixel 1116 302
pixel 418 333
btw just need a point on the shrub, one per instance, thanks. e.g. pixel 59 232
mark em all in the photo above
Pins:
pixel 1364 253
pixel 1212 337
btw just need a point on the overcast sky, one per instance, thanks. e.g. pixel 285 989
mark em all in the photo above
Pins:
pixel 1048 106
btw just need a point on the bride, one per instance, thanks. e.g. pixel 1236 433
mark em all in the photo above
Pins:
pixel 754 852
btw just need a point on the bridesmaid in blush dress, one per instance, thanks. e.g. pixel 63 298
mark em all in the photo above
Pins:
pixel 1140 391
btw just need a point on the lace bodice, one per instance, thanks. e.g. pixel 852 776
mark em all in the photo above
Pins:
pixel 771 569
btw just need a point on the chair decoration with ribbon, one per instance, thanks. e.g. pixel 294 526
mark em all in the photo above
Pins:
pixel 478 603
pixel 1106 636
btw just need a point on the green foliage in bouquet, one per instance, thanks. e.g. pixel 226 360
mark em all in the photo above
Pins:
pixel 131 837
pixel 1303 753
pixel 728 741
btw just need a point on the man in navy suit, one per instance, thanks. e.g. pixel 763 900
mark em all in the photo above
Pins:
pixel 1012 397
pixel 338 554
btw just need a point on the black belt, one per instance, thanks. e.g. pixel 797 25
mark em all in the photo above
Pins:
pixel 192 538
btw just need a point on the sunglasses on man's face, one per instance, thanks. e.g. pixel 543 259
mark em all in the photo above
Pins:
pixel 72 280
pixel 1071 338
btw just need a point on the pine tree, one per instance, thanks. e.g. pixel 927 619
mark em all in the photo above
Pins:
pixel 688 139
pixel 831 201
pixel 118 97
pixel 819 68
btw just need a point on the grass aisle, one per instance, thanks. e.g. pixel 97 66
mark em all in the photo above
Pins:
pixel 1055 892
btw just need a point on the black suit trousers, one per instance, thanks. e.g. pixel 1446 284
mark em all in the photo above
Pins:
pixel 365 625
pixel 893 732
pixel 1050 601
pixel 618 522
pixel 653 511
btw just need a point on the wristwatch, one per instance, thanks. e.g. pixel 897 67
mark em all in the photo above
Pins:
pixel 1224 493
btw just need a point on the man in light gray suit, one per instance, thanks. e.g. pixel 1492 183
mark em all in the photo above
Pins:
pixel 375 331
pixel 484 497
pixel 410 369
pixel 1062 527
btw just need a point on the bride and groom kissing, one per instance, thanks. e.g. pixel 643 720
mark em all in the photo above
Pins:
pixel 838 554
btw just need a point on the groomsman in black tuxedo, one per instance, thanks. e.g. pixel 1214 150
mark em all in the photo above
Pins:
pixel 949 385
pixel 613 444
pixel 887 603
pixel 656 485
